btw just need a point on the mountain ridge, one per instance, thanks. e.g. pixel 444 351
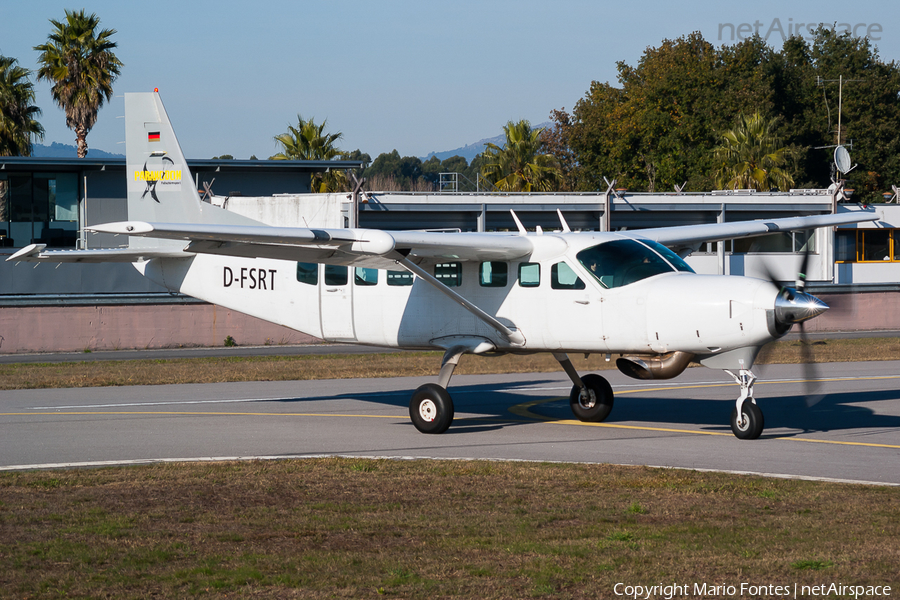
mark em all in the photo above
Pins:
pixel 57 150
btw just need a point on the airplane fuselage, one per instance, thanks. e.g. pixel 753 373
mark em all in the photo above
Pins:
pixel 550 297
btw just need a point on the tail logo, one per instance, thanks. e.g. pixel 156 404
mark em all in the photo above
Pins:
pixel 155 177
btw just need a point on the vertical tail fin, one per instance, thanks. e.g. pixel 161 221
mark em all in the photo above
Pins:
pixel 159 183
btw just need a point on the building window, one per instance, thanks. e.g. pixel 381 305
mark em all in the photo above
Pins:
pixel 785 241
pixel 493 274
pixel 39 208
pixel 867 245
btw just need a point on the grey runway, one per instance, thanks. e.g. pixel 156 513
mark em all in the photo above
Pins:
pixel 852 433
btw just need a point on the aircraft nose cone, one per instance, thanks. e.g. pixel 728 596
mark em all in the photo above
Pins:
pixel 792 306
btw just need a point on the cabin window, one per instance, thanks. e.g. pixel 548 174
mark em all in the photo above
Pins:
pixel 335 275
pixel 529 274
pixel 308 273
pixel 493 274
pixel 450 274
pixel 364 276
pixel 562 277
pixel 399 278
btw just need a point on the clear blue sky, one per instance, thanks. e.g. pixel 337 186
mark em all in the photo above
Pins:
pixel 415 76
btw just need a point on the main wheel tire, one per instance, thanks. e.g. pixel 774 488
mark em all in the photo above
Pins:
pixel 753 422
pixel 594 402
pixel 431 409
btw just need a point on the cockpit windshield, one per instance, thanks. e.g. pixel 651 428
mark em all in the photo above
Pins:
pixel 622 262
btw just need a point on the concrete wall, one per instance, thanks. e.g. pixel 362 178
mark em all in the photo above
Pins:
pixel 77 328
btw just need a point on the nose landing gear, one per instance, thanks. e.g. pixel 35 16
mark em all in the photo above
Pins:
pixel 747 420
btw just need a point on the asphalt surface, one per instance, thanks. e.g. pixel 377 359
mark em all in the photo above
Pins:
pixel 851 433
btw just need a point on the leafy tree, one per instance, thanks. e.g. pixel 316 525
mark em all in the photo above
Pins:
pixel 520 164
pixel 18 124
pixel 81 65
pixel 660 126
pixel 555 142
pixel 658 129
pixel 870 113
pixel 751 156
pixel 308 141
pixel 403 173
pixel 454 164
pixel 361 156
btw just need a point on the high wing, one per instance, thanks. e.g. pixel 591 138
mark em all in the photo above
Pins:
pixel 714 232
pixel 380 249
pixel 365 247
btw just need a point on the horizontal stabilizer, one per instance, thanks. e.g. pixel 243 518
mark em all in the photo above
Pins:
pixel 239 240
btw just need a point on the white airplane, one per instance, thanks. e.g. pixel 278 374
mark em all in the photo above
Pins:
pixel 566 292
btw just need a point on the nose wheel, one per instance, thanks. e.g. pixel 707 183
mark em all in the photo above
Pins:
pixel 747 422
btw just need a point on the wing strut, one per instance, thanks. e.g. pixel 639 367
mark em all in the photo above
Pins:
pixel 513 336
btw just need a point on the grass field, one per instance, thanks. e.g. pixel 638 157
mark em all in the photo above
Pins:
pixel 280 368
pixel 356 528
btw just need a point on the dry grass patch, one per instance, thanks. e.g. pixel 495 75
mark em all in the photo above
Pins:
pixel 336 366
pixel 356 528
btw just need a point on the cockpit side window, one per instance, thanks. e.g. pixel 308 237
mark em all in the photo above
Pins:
pixel 562 277
pixel 622 262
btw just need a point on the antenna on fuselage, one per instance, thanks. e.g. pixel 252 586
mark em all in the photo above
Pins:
pixel 562 222
pixel 522 229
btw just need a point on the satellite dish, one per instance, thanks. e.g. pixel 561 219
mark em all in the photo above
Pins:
pixel 842 159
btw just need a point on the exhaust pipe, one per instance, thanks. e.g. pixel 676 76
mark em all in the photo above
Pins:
pixel 655 366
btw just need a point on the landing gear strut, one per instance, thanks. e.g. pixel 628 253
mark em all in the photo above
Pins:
pixel 747 420
pixel 591 398
pixel 431 408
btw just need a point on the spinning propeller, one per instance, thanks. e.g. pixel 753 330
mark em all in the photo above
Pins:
pixel 794 305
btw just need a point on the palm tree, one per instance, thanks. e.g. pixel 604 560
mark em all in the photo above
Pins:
pixel 751 156
pixel 519 165
pixel 308 141
pixel 18 124
pixel 82 67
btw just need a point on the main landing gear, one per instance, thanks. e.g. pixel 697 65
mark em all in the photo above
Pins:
pixel 431 408
pixel 747 420
pixel 591 398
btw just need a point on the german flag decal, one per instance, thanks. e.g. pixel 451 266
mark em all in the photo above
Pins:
pixel 153 136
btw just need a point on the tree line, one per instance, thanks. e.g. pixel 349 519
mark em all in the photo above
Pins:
pixel 674 116
pixel 687 114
